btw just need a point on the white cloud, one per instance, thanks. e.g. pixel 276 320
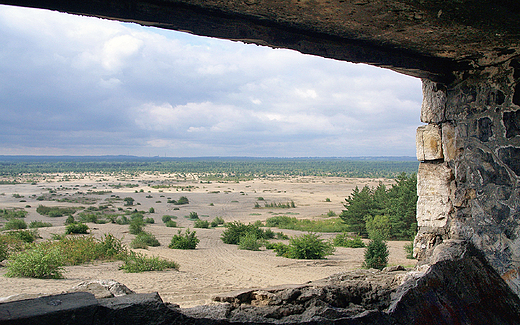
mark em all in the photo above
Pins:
pixel 148 88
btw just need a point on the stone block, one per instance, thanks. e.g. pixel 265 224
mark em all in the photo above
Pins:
pixel 71 308
pixel 433 107
pixel 434 179
pixel 428 143
pixel 449 145
pixel 433 211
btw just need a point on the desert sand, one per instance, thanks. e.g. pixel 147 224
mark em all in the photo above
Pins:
pixel 214 267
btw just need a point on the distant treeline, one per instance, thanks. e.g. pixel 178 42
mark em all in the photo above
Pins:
pixel 214 168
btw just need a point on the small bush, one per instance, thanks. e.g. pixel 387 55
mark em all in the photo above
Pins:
pixel 187 241
pixel 69 220
pixel 143 240
pixel 77 228
pixel 166 218
pixel 137 263
pixel 376 254
pixel 149 220
pixel 193 216
pixel 309 246
pixel 151 210
pixel 171 224
pixel 281 249
pixel 281 236
pixel 217 221
pixel 201 224
pixel 26 236
pixel 249 242
pixel 408 248
pixel 4 253
pixel 236 229
pixel 39 262
pixel 344 240
pixel 123 220
pixel 15 224
pixel 83 249
pixel 136 226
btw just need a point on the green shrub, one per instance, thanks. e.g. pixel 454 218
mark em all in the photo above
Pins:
pixel 217 221
pixel 166 218
pixel 408 248
pixel 281 236
pixel 309 246
pixel 143 240
pixel 55 211
pixel 15 224
pixel 171 223
pixel 83 249
pixel 136 226
pixel 149 220
pixel 137 263
pixel 249 242
pixel 281 249
pixel 26 236
pixel 376 254
pixel 123 220
pixel 187 241
pixel 4 253
pixel 193 216
pixel 201 224
pixel 325 225
pixel 9 214
pixel 235 230
pixel 378 227
pixel 39 224
pixel 151 210
pixel 76 228
pixel 344 240
pixel 70 219
pixel 39 262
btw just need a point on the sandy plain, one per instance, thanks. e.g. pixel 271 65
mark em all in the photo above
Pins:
pixel 214 267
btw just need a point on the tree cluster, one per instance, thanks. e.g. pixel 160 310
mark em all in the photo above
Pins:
pixel 381 211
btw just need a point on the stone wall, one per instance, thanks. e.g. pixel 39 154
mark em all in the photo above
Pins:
pixel 468 179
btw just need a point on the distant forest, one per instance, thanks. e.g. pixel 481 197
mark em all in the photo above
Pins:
pixel 225 168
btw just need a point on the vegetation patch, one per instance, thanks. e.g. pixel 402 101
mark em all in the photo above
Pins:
pixel 187 241
pixel 76 228
pixel 15 224
pixel 344 240
pixel 55 212
pixel 138 262
pixel 39 262
pixel 324 225
pixel 308 246
pixel 143 240
pixel 14 213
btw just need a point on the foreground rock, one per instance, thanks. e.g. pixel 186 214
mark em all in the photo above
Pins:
pixel 456 287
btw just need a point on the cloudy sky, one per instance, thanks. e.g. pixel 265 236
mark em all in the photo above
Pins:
pixel 72 85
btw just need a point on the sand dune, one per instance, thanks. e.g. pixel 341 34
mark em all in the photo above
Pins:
pixel 214 267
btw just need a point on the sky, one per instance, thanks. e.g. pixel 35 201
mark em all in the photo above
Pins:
pixel 73 85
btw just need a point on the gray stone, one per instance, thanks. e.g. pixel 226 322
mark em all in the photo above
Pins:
pixel 450 150
pixel 102 288
pixel 433 107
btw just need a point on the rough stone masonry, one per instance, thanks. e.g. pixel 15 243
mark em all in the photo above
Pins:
pixel 468 179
